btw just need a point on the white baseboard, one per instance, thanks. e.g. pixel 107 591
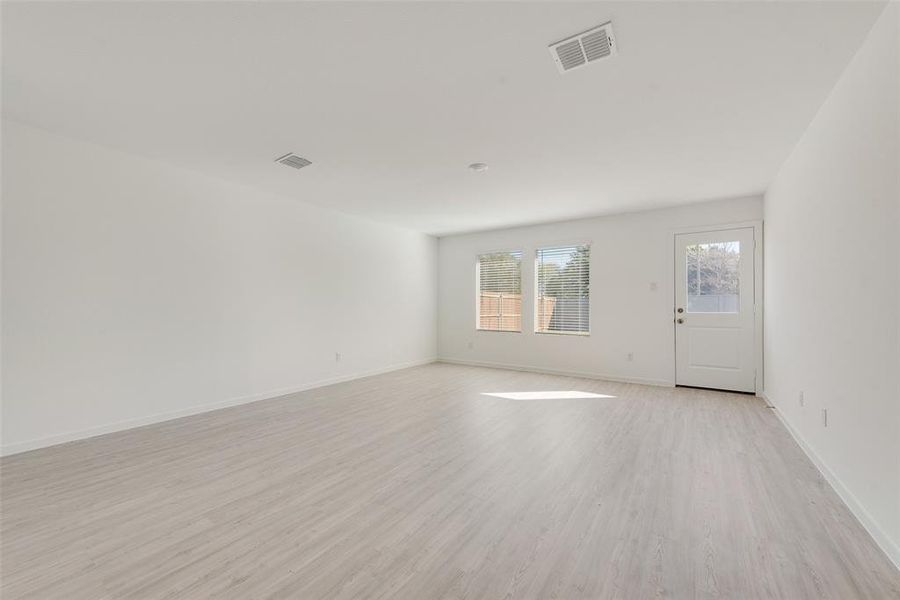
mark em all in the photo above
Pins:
pixel 601 376
pixel 888 546
pixel 81 434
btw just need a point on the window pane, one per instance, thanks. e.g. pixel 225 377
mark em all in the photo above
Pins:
pixel 499 304
pixel 713 277
pixel 563 290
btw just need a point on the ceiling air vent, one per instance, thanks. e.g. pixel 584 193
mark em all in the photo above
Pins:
pixel 584 48
pixel 292 160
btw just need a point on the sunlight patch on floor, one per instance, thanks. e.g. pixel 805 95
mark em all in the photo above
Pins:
pixel 567 395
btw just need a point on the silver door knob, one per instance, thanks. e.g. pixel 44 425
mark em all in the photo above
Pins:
pixel 681 310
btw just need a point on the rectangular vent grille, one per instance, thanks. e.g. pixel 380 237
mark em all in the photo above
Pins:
pixel 292 160
pixel 570 55
pixel 584 48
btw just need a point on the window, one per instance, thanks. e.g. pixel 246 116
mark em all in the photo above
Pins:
pixel 563 299
pixel 713 277
pixel 499 285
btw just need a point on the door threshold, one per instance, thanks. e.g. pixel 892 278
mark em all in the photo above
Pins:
pixel 699 387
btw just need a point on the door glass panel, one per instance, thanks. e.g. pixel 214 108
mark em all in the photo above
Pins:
pixel 713 277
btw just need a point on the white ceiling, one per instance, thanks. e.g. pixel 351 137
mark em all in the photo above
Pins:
pixel 391 101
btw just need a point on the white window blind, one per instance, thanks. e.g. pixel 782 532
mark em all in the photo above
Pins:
pixel 499 285
pixel 562 298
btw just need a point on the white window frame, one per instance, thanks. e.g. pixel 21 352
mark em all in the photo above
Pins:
pixel 477 298
pixel 537 284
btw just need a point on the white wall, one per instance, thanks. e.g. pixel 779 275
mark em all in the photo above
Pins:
pixel 832 298
pixel 628 253
pixel 134 291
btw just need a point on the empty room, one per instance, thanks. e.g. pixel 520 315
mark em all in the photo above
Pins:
pixel 472 300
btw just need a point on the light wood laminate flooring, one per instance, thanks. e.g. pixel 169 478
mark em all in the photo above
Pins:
pixel 416 485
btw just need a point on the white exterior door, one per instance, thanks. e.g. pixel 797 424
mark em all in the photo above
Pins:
pixel 714 310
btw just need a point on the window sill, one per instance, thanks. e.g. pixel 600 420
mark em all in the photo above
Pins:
pixel 571 333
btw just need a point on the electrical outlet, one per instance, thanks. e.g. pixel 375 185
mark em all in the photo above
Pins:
pixel 824 417
pixel 653 286
pixel 470 345
pixel 800 399
pixel 337 357
pixel 630 356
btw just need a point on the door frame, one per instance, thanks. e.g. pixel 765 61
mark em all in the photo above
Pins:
pixel 758 241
